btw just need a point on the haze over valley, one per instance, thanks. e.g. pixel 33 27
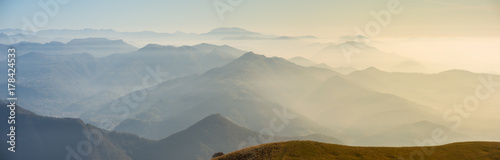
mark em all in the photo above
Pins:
pixel 259 80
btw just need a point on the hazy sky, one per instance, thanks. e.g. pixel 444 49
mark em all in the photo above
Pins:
pixel 322 18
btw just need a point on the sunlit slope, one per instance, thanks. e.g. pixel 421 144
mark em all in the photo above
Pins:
pixel 320 151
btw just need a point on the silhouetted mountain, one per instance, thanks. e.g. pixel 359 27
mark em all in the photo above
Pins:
pixel 251 90
pixel 172 62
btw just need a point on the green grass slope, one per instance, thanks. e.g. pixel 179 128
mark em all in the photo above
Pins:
pixel 319 151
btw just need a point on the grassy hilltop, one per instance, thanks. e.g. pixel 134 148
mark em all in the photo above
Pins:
pixel 320 151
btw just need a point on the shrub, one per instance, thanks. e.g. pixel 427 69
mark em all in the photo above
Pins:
pixel 218 154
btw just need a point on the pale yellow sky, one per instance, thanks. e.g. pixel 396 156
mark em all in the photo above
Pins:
pixel 322 18
pixel 436 18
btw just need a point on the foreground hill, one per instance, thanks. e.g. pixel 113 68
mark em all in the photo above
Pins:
pixel 317 151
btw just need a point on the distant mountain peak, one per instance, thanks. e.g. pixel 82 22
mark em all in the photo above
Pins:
pixel 153 47
pixel 214 122
pixel 205 44
pixel 251 56
pixel 208 45
pixel 353 37
pixel 356 43
pixel 299 58
pixel 55 43
pixel 455 71
pixel 230 30
pixel 91 29
pixel 94 41
pixel 215 117
pixel 369 70
pixel 372 69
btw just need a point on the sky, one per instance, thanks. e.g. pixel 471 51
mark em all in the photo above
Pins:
pixel 321 18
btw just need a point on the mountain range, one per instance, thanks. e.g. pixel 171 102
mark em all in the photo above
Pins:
pixel 251 89
pixel 11 36
pixel 61 84
pixel 240 90
pixel 157 91
pixel 97 47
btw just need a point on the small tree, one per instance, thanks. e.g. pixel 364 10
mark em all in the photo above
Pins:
pixel 218 154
